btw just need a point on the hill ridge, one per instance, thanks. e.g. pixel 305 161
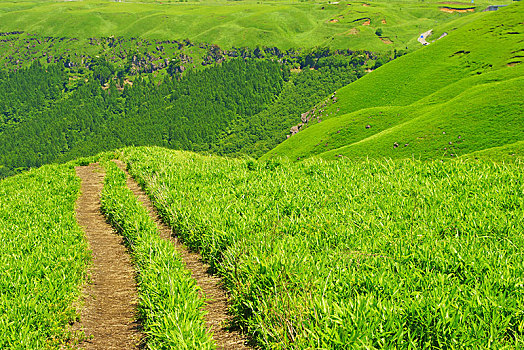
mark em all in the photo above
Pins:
pixel 470 68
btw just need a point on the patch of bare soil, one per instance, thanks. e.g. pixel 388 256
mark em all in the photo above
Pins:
pixel 383 21
pixel 366 23
pixel 352 31
pixel 386 41
pixel 333 21
pixel 216 297
pixel 109 315
pixel 126 82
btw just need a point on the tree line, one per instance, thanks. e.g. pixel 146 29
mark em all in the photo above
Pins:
pixel 243 106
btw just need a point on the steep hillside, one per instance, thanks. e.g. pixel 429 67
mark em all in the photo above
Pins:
pixel 241 106
pixel 465 85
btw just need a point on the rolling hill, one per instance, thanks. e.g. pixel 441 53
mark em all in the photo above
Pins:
pixel 173 238
pixel 284 24
pixel 458 95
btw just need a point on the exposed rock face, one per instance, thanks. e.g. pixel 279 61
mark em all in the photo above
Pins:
pixel 10 33
pixel 214 55
pixel 305 116
pixel 314 113
pixel 295 129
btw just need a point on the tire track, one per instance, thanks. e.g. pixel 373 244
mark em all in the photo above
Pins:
pixel 216 298
pixel 109 314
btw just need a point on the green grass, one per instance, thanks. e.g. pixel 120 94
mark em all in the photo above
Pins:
pixel 335 255
pixel 513 152
pixel 316 254
pixel 282 24
pixel 170 308
pixel 472 122
pixel 43 258
pixel 466 84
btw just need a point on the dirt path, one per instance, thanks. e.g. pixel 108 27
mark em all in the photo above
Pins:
pixel 108 317
pixel 217 300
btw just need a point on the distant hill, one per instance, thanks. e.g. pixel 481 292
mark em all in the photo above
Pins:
pixel 284 24
pixel 459 95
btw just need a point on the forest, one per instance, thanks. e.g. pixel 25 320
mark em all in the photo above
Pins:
pixel 242 106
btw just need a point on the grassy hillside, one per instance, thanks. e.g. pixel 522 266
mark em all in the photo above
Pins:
pixel 511 152
pixel 465 124
pixel 374 254
pixel 466 84
pixel 283 24
pixel 43 258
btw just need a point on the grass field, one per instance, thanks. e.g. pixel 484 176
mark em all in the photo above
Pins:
pixel 458 95
pixel 43 258
pixel 283 24
pixel 373 254
pixel 316 254
pixel 510 152
pixel 170 308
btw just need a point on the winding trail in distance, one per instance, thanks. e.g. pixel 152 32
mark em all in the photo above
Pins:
pixel 215 296
pixel 110 300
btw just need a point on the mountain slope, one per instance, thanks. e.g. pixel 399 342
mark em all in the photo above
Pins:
pixel 476 64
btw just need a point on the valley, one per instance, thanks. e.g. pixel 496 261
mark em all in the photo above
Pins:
pixel 261 174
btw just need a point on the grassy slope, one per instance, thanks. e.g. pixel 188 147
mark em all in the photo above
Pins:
pixel 43 258
pixel 513 152
pixel 472 122
pixel 240 23
pixel 435 89
pixel 347 255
